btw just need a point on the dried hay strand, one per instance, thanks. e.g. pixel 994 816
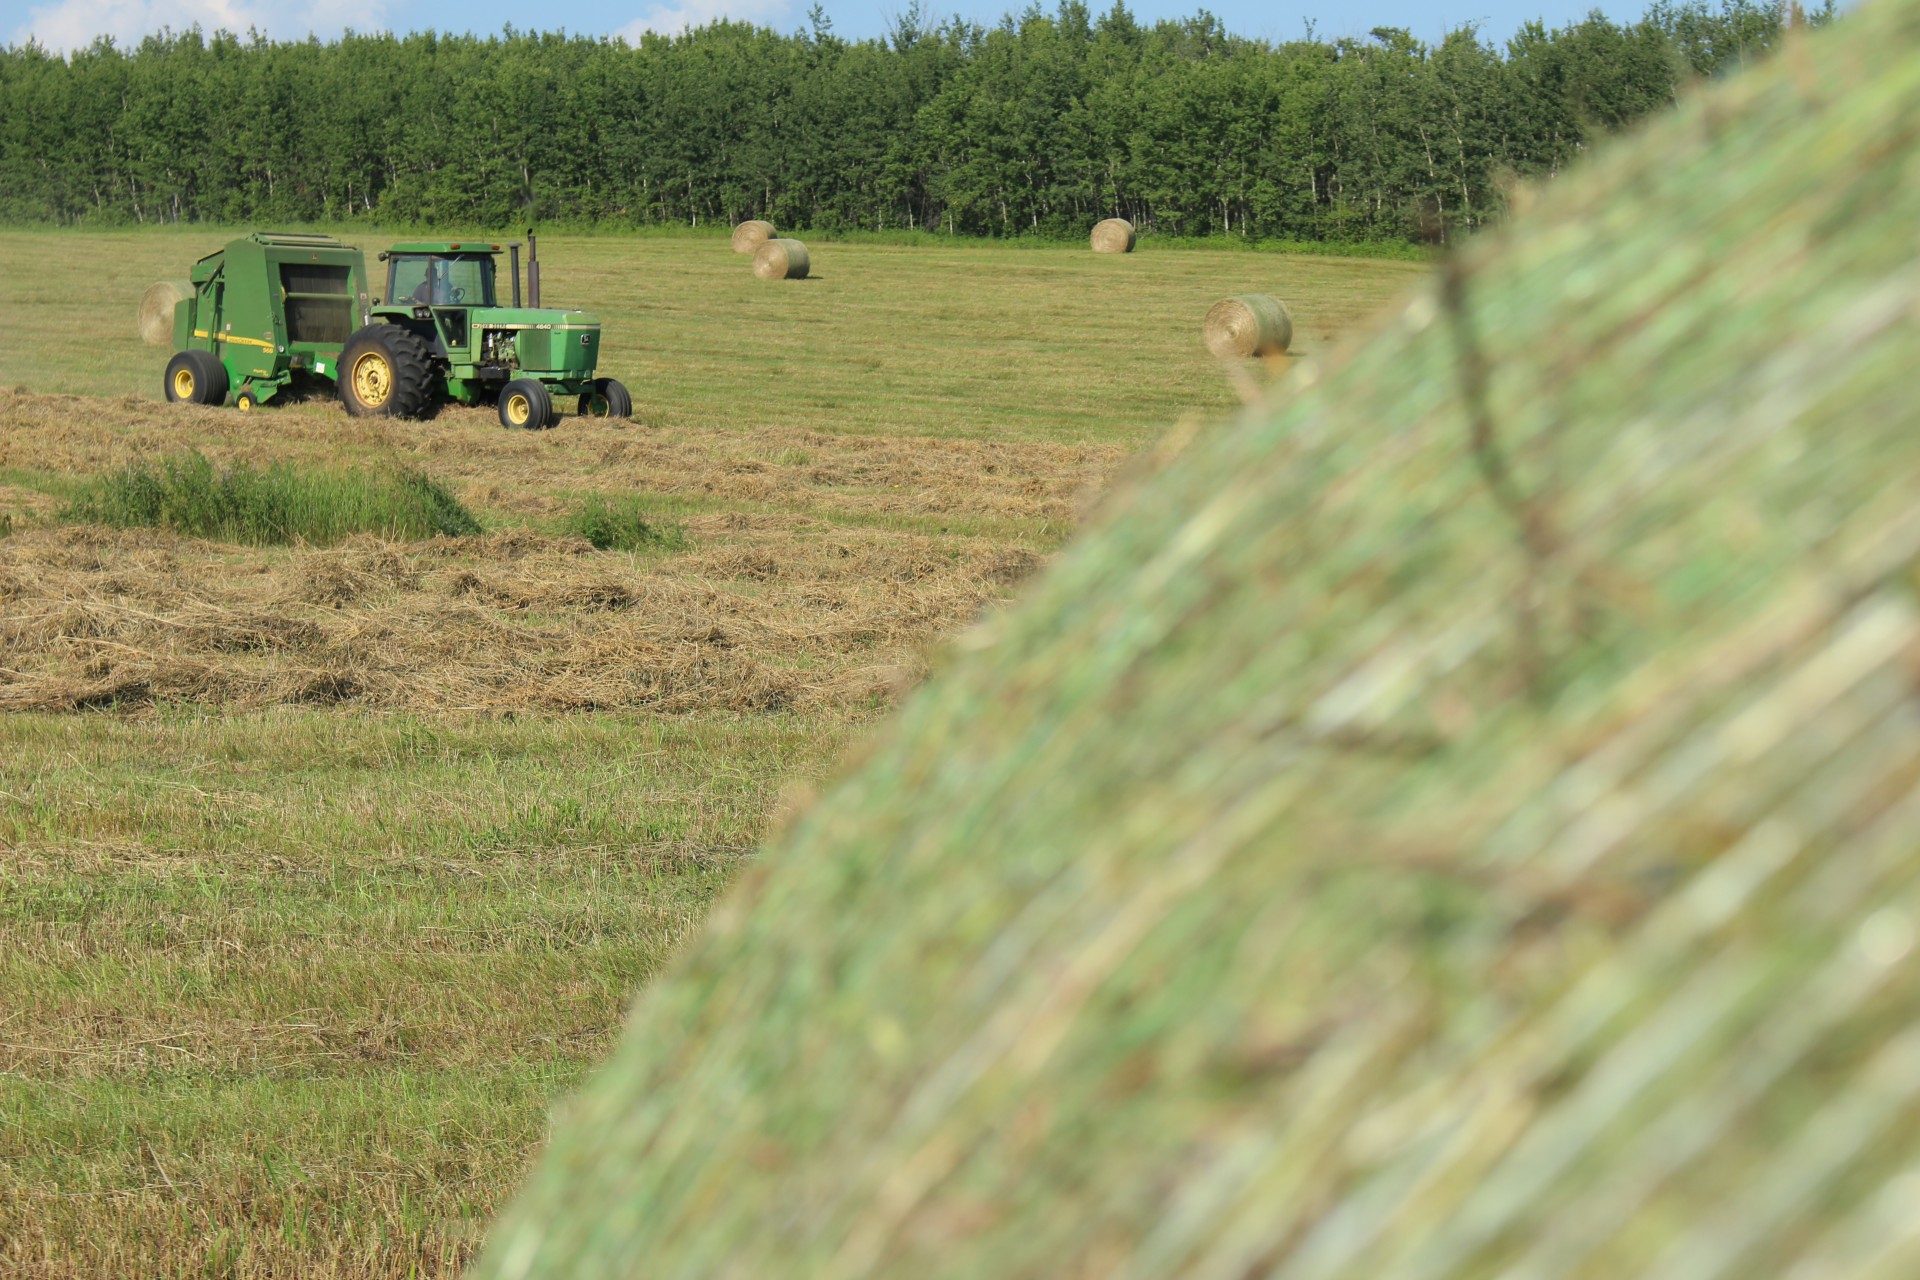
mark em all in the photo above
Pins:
pixel 1456 822
pixel 781 260
pixel 156 310
pixel 1113 235
pixel 748 236
pixel 1251 324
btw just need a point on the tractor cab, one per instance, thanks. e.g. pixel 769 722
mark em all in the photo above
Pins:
pixel 441 275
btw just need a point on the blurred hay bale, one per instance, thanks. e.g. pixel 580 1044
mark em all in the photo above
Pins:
pixel 781 260
pixel 748 236
pixel 1252 324
pixel 1113 235
pixel 155 317
pixel 1457 822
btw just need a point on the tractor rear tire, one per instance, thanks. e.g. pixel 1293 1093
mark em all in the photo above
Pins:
pixel 525 405
pixel 196 377
pixel 608 399
pixel 386 372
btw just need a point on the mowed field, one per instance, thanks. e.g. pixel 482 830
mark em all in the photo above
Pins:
pixel 325 871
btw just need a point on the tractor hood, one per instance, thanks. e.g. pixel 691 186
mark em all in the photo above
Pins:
pixel 562 345
pixel 531 318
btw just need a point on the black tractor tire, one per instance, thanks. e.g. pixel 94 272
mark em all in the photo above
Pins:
pixel 386 372
pixel 196 377
pixel 525 405
pixel 608 399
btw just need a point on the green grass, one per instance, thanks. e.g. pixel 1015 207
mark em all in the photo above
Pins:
pixel 959 339
pixel 238 503
pixel 622 524
pixel 319 967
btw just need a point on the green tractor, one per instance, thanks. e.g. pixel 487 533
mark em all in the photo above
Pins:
pixel 271 312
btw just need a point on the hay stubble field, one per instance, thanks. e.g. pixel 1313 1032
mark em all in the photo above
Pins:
pixel 326 870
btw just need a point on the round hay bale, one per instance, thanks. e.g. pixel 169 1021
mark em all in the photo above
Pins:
pixel 1251 324
pixel 750 235
pixel 156 310
pixel 781 260
pixel 1113 235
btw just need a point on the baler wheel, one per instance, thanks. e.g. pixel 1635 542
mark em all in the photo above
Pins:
pixel 196 377
pixel 386 372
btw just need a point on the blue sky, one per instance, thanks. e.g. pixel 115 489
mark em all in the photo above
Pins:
pixel 65 24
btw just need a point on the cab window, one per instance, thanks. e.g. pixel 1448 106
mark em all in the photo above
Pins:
pixel 467 281
pixel 440 280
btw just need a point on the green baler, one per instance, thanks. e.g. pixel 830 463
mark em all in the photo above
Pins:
pixel 272 311
pixel 266 311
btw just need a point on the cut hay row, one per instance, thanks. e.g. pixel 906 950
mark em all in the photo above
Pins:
pixel 155 316
pixel 781 260
pixel 770 618
pixel 781 468
pixel 1252 324
pixel 1457 823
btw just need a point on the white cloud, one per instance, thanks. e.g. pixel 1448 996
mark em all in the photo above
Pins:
pixel 74 24
pixel 671 19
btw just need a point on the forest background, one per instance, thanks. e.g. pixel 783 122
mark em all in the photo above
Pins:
pixel 1035 127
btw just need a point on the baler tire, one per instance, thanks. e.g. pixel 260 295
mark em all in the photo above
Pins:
pixel 608 399
pixel 526 405
pixel 386 372
pixel 196 377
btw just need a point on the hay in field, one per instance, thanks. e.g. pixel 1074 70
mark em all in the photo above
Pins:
pixel 1455 822
pixel 777 603
pixel 780 617
pixel 1251 324
pixel 781 260
pixel 155 316
pixel 1113 235
pixel 782 469
pixel 748 236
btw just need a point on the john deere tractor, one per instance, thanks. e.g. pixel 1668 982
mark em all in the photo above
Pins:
pixel 270 312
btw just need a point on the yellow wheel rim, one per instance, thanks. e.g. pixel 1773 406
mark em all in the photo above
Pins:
pixel 598 406
pixel 519 409
pixel 372 379
pixel 246 403
pixel 183 384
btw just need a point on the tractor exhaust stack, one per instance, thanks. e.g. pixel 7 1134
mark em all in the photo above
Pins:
pixel 533 270
pixel 513 260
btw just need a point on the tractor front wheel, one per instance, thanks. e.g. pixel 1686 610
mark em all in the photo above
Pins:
pixel 386 372
pixel 608 399
pixel 526 405
pixel 195 377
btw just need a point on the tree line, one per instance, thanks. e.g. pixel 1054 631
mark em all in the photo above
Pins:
pixel 1041 124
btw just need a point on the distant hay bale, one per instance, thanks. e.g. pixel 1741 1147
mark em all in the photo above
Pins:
pixel 781 260
pixel 156 310
pixel 750 235
pixel 1114 235
pixel 1251 324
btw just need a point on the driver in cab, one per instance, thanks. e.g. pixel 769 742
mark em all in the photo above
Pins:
pixel 434 290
